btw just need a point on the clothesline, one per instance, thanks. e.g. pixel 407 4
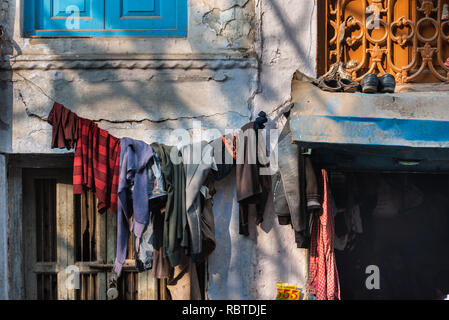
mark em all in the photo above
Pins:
pixel 171 203
pixel 102 164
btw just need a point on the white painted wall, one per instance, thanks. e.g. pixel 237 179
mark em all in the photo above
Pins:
pixel 239 58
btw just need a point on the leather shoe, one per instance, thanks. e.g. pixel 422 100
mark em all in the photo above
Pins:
pixel 387 83
pixel 370 83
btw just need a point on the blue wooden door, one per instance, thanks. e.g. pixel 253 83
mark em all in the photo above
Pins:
pixel 104 18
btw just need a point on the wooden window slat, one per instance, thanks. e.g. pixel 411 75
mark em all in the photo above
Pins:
pixel 45 220
pixel 39 240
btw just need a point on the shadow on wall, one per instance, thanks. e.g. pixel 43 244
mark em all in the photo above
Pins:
pixel 136 92
pixel 144 93
pixel 6 84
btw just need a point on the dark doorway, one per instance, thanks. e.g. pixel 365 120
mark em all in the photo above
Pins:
pixel 404 232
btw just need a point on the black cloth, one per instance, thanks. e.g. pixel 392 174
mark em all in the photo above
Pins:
pixel 252 187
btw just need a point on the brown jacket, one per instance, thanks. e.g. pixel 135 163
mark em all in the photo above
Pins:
pixel 252 188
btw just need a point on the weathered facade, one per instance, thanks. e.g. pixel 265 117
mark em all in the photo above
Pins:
pixel 238 58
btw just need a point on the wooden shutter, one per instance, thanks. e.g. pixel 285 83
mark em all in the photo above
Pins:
pixel 63 232
pixel 149 17
pixel 57 17
pixel 47 237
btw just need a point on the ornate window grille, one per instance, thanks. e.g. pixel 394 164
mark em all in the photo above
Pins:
pixel 407 38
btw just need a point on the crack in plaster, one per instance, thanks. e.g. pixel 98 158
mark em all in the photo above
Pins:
pixel 172 119
pixel 130 121
pixel 38 87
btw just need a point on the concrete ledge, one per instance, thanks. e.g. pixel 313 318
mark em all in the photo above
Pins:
pixel 410 119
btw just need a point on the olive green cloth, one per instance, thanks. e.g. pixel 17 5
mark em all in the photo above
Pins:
pixel 176 233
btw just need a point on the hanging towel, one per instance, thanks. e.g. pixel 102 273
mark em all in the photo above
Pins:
pixel 323 274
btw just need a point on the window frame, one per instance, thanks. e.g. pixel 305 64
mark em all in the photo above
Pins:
pixel 30 21
pixel 407 60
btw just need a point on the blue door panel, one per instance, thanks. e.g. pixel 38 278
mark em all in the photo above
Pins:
pixel 145 15
pixel 138 6
pixel 61 8
pixel 70 15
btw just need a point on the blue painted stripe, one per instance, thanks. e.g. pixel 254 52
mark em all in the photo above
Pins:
pixel 370 131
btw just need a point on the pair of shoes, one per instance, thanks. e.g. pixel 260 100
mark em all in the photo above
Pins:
pixel 350 85
pixel 371 83
pixel 340 85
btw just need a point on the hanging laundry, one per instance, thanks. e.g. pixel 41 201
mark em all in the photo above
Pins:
pixel 252 187
pixel 207 218
pixel 260 121
pixel 156 185
pixel 97 155
pixel 183 282
pixel 224 155
pixel 65 127
pixel 157 196
pixel 295 188
pixel 161 265
pixel 196 173
pixel 176 232
pixel 323 274
pixel 96 164
pixel 133 195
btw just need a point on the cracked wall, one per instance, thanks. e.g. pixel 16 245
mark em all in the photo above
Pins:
pixel 287 42
pixel 143 104
pixel 288 34
pixel 162 83
pixel 238 58
pixel 237 36
pixel 232 19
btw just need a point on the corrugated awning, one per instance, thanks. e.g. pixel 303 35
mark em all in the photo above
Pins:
pixel 377 131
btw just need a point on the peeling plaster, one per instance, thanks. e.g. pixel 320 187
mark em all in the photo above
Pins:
pixel 234 20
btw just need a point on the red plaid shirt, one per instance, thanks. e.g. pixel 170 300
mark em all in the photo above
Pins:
pixel 96 164
pixel 97 159
pixel 323 274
